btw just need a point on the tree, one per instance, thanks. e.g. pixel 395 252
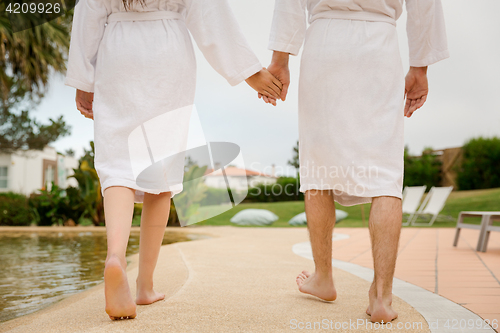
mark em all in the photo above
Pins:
pixel 480 165
pixel 422 170
pixel 295 158
pixel 19 131
pixel 69 152
pixel 27 59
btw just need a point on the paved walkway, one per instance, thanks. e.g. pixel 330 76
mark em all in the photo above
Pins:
pixel 241 280
pixel 428 259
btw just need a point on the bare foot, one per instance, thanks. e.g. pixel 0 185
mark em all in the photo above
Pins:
pixel 371 296
pixel 313 285
pixel 119 302
pixel 380 310
pixel 145 297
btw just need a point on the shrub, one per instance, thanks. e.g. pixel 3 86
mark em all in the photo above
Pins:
pixel 57 205
pixel 480 165
pixel 14 210
pixel 285 189
pixel 422 170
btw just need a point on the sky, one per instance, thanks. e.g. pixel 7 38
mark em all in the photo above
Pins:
pixel 462 102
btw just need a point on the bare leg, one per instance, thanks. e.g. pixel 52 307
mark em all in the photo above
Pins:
pixel 320 211
pixel 153 222
pixel 385 228
pixel 118 209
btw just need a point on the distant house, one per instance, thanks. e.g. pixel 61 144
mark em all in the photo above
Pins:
pixel 27 171
pixel 239 179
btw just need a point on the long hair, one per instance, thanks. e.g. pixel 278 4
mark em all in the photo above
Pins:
pixel 128 3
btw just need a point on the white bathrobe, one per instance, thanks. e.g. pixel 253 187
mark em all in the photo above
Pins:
pixel 351 89
pixel 140 65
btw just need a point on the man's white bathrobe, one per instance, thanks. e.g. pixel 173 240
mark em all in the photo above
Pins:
pixel 140 65
pixel 351 89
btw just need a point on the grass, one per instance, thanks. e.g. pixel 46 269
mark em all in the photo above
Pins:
pixel 475 200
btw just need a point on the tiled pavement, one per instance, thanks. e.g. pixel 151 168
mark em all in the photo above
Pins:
pixel 428 259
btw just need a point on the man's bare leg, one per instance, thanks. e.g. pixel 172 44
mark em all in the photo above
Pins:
pixel 385 228
pixel 320 211
pixel 118 209
pixel 154 219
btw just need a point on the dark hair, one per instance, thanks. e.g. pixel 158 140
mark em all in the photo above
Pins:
pixel 128 3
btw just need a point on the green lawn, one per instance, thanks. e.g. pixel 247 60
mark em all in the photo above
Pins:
pixel 477 200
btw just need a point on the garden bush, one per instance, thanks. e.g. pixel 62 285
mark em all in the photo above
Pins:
pixel 285 189
pixel 14 210
pixel 480 167
pixel 422 170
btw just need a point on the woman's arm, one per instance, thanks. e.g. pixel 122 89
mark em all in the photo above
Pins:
pixel 86 34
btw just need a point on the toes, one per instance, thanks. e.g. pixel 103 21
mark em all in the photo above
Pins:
pixel 122 318
pixel 306 273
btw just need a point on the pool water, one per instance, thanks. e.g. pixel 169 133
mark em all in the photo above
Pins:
pixel 39 268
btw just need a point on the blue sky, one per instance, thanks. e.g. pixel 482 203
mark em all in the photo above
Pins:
pixel 461 105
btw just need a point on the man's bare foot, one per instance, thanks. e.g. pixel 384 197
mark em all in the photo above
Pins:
pixel 119 302
pixel 380 310
pixel 313 285
pixel 372 295
pixel 147 296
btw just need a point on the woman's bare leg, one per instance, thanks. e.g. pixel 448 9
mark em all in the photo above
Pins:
pixel 118 209
pixel 154 219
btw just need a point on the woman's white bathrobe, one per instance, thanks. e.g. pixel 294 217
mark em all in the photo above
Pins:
pixel 351 89
pixel 141 65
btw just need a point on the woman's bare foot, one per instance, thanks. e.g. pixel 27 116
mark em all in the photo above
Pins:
pixel 312 284
pixel 146 295
pixel 119 302
pixel 380 310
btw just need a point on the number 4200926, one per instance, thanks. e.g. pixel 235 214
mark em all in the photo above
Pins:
pixel 45 8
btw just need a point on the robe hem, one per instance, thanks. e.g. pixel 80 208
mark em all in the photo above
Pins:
pixel 242 76
pixel 284 47
pixel 348 199
pixel 139 191
pixel 430 59
pixel 79 85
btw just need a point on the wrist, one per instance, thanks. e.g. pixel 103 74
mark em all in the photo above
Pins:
pixel 280 58
pixel 419 70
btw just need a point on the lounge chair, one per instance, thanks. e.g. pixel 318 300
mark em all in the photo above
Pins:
pixel 433 204
pixel 412 195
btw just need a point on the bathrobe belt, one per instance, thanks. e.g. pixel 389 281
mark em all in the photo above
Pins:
pixel 145 16
pixel 353 15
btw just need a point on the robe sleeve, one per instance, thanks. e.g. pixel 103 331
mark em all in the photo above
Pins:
pixel 86 34
pixel 426 32
pixel 289 26
pixel 219 37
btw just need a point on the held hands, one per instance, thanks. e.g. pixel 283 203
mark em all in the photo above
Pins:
pixel 416 89
pixel 84 101
pixel 279 68
pixel 266 84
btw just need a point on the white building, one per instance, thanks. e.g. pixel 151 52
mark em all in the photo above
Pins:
pixel 27 171
pixel 239 179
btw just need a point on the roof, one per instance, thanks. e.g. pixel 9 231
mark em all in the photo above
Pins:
pixel 235 172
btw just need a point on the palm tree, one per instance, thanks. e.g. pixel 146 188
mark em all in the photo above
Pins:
pixel 28 57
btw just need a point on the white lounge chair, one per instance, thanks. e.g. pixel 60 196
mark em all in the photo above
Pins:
pixel 412 195
pixel 433 204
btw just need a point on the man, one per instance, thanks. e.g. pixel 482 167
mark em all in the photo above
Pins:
pixel 351 111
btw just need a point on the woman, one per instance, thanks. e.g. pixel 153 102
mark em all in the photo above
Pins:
pixel 132 61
